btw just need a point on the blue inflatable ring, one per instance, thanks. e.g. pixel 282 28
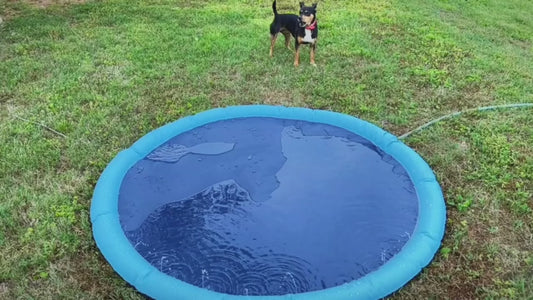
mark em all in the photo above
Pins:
pixel 417 252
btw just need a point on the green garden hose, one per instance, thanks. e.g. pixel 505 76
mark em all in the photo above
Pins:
pixel 455 114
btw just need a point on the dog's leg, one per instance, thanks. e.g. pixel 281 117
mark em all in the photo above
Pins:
pixel 297 55
pixel 313 50
pixel 287 39
pixel 273 38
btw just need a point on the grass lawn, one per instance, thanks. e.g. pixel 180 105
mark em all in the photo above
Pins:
pixel 101 74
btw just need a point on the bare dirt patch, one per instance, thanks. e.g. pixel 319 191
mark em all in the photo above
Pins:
pixel 4 290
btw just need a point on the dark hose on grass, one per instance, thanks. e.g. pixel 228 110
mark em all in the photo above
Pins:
pixel 457 113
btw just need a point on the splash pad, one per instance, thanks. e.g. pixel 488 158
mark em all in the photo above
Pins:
pixel 262 201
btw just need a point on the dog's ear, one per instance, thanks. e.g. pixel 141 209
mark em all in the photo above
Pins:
pixel 302 4
pixel 314 5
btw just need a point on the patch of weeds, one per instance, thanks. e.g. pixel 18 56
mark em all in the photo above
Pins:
pixel 445 252
pixel 68 211
pixel 462 203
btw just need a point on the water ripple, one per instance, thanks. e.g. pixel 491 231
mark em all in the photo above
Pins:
pixel 179 240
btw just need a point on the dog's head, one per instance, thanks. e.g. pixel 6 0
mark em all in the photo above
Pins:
pixel 307 14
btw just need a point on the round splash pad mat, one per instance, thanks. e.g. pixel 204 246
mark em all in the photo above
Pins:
pixel 268 202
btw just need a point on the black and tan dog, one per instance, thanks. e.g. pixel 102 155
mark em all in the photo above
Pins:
pixel 303 28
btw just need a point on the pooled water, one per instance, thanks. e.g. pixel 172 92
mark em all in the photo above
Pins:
pixel 174 152
pixel 287 207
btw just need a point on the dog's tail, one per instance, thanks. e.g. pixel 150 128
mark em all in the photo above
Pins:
pixel 274 8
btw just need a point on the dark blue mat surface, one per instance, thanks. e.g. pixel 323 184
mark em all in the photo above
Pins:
pixel 264 206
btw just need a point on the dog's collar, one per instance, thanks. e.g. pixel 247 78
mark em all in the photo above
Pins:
pixel 312 26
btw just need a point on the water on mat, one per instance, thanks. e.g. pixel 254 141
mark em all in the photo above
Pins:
pixel 263 206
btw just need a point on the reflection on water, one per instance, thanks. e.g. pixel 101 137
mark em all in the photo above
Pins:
pixel 185 239
pixel 270 207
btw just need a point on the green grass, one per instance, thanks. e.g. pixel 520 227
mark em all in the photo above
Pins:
pixel 104 73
